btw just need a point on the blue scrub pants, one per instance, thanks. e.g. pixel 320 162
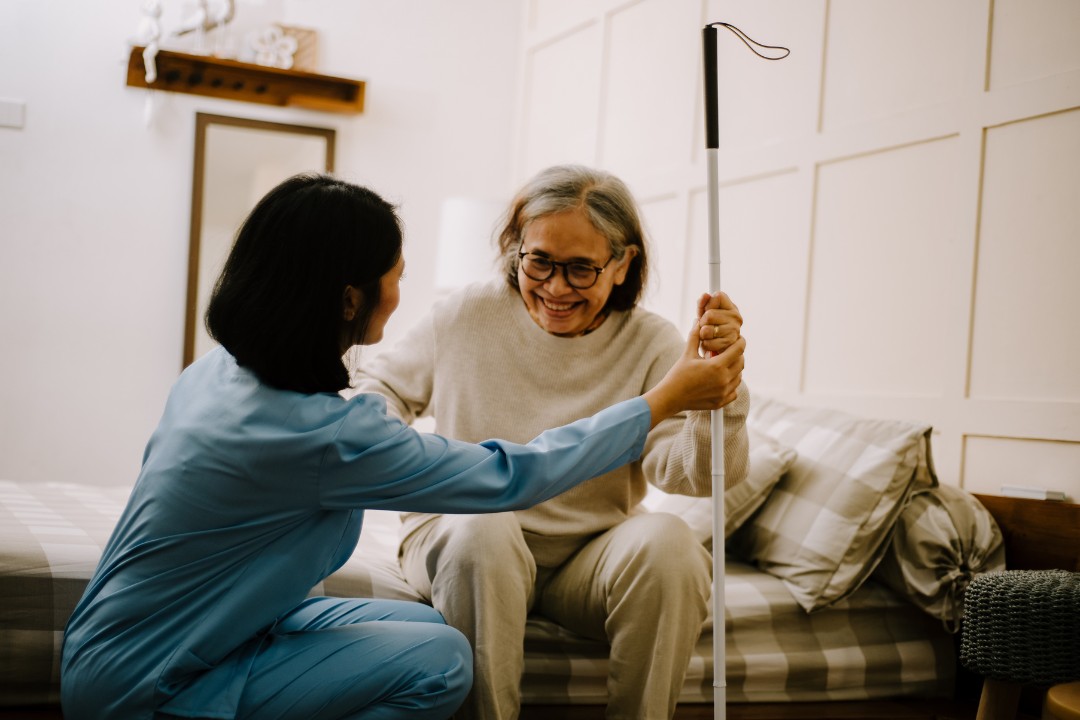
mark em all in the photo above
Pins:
pixel 344 658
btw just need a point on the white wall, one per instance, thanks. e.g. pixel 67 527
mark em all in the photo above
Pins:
pixel 95 203
pixel 899 214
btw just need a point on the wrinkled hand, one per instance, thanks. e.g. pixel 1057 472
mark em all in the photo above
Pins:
pixel 719 322
pixel 696 382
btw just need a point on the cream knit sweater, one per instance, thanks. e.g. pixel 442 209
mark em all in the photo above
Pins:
pixel 484 369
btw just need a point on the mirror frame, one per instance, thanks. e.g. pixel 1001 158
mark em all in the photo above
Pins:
pixel 203 121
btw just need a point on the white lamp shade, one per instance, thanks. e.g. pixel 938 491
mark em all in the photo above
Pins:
pixel 466 250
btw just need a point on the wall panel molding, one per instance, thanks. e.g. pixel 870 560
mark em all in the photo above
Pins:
pixel 990 462
pixel 1028 256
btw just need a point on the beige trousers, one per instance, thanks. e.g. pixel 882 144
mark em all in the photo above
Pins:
pixel 642 586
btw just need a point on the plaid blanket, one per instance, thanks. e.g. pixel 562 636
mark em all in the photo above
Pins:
pixel 873 644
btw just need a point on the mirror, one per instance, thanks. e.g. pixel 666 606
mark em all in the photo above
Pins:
pixel 237 161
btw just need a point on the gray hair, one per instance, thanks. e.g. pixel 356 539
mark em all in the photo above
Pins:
pixel 607 203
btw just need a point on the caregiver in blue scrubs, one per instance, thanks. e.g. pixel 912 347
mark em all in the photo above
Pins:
pixel 254 485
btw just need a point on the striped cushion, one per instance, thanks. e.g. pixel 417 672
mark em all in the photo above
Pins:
pixel 826 524
pixel 873 644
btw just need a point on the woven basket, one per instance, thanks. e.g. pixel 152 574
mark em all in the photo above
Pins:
pixel 1023 626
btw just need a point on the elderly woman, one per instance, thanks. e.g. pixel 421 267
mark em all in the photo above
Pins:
pixel 557 338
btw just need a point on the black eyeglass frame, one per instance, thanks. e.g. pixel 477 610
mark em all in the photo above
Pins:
pixel 555 265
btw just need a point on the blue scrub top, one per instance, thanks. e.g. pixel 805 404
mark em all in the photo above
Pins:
pixel 248 497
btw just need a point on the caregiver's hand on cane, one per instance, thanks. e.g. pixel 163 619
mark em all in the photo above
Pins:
pixel 696 382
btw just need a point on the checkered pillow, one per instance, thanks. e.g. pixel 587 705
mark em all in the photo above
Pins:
pixel 768 462
pixel 944 537
pixel 826 524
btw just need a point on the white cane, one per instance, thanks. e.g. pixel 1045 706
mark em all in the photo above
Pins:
pixel 712 146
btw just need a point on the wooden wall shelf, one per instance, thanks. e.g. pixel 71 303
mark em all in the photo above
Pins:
pixel 232 80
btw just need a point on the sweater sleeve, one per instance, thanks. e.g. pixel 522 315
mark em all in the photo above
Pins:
pixel 404 374
pixel 678 452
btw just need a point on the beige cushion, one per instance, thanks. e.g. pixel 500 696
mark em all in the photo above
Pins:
pixel 768 461
pixel 826 524
pixel 944 537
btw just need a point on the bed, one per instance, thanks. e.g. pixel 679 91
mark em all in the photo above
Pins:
pixel 861 625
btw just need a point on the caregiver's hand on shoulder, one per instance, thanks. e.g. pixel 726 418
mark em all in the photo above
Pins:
pixel 696 382
pixel 719 322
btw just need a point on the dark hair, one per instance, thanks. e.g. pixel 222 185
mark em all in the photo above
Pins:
pixel 278 305
pixel 610 207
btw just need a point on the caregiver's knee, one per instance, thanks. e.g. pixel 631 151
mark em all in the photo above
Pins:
pixel 450 674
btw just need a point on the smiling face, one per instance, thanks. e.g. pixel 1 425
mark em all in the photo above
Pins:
pixel 553 304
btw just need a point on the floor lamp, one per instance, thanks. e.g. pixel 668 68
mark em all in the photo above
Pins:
pixel 712 145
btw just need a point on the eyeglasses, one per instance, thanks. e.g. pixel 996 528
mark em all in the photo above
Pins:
pixel 579 275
